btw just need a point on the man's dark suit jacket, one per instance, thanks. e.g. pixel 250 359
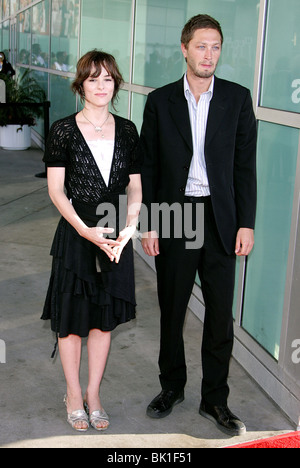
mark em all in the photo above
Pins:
pixel 230 152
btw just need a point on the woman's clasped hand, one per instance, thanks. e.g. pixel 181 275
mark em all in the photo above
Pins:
pixel 112 248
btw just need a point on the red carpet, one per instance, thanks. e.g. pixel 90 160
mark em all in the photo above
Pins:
pixel 291 440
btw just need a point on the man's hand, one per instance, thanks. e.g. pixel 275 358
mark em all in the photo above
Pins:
pixel 150 243
pixel 244 242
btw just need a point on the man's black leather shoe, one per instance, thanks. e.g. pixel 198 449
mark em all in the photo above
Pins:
pixel 164 403
pixel 223 418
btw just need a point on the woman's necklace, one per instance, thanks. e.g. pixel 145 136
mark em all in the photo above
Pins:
pixel 97 128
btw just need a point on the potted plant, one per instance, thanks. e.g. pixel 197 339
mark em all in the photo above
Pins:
pixel 16 117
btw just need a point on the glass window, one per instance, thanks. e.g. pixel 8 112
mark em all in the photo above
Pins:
pixel 6 8
pixel 24 3
pixel 14 6
pixel 5 38
pixel 121 104
pixel 63 101
pixel 137 111
pixel 281 77
pixel 64 35
pixel 158 58
pixel 24 37
pixel 40 35
pixel 106 25
pixel 267 265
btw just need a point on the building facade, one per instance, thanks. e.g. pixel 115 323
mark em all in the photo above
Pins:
pixel 262 52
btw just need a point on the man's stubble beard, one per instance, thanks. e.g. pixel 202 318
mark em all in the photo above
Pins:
pixel 204 75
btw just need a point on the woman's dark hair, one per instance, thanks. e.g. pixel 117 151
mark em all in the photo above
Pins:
pixel 98 60
pixel 199 22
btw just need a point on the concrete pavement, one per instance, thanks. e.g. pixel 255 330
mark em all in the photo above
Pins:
pixel 32 413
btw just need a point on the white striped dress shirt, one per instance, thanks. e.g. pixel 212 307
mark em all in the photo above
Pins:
pixel 198 185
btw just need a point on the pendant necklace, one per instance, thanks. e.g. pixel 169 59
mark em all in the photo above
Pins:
pixel 96 127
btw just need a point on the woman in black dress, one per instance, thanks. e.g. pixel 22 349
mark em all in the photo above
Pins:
pixel 92 161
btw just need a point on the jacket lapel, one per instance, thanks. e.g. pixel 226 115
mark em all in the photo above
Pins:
pixel 217 111
pixel 180 113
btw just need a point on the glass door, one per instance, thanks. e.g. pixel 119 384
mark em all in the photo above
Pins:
pixel 13 42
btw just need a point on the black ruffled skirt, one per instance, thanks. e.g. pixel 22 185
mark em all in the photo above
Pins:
pixel 86 290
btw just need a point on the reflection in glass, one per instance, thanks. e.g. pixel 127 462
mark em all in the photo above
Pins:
pixel 40 35
pixel 64 34
pixel 281 80
pixel 106 25
pixel 24 3
pixel 121 104
pixel 6 8
pixel 24 37
pixel 267 265
pixel 138 105
pixel 61 94
pixel 14 6
pixel 158 58
pixel 5 38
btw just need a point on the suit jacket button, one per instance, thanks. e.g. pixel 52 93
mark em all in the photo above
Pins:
pixel 182 189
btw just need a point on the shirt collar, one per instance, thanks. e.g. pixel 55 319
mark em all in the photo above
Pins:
pixel 188 93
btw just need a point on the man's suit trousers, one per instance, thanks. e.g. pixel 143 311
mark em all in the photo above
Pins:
pixel 177 267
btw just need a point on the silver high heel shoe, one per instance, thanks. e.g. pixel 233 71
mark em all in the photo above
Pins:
pixel 96 417
pixel 76 417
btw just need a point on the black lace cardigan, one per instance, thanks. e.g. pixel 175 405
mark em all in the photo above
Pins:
pixel 66 147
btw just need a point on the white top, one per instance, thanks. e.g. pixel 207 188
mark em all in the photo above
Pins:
pixel 198 185
pixel 103 152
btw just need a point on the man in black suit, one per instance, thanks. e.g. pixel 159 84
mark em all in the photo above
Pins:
pixel 199 144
